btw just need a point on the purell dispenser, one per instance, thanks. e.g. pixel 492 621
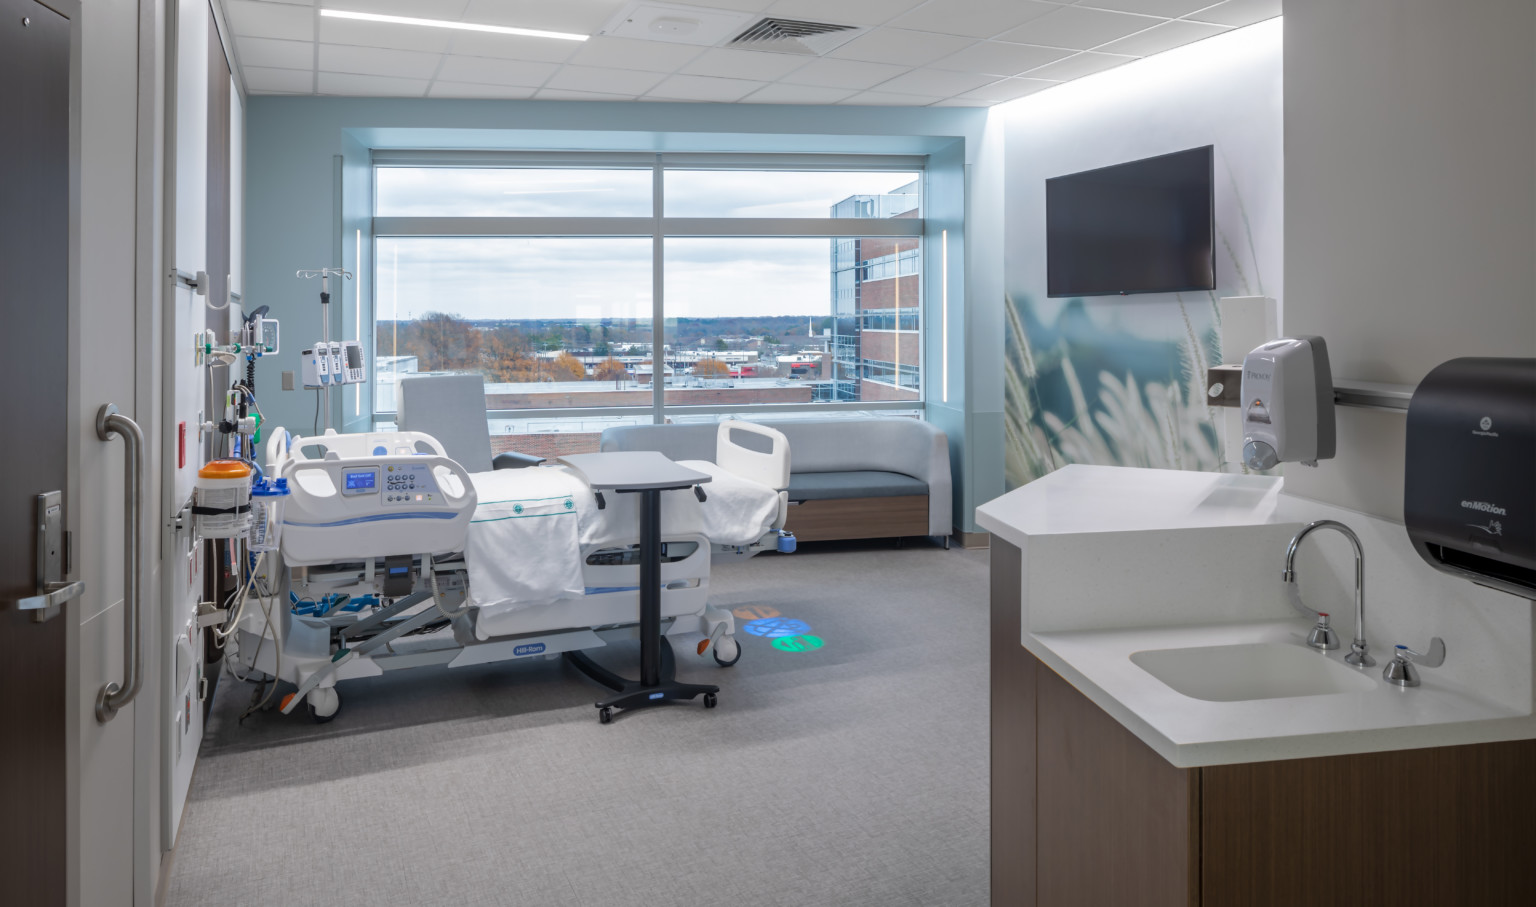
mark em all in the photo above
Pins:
pixel 1469 490
pixel 1287 403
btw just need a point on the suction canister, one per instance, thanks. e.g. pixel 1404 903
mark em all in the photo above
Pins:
pixel 223 499
pixel 1469 493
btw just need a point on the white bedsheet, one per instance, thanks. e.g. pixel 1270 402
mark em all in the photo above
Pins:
pixel 526 538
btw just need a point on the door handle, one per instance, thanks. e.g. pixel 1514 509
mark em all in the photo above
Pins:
pixel 50 596
pixel 115 696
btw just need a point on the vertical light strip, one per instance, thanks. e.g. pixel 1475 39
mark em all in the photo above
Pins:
pixel 357 318
pixel 944 316
pixel 658 302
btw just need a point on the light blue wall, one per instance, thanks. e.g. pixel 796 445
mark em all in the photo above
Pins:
pixel 309 192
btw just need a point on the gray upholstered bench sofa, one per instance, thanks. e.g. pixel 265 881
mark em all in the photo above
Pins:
pixel 849 478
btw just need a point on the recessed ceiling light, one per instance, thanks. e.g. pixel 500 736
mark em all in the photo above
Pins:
pixel 462 26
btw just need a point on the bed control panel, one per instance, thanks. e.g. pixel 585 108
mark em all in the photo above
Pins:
pixel 407 484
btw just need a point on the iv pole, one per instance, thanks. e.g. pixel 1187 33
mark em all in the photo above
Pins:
pixel 325 318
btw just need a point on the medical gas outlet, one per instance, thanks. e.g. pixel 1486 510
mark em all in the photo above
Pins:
pixel 1287 403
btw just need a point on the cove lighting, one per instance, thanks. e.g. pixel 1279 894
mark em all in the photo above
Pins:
pixel 462 26
pixel 944 314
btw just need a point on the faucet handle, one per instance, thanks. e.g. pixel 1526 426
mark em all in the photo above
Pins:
pixel 1322 635
pixel 1402 669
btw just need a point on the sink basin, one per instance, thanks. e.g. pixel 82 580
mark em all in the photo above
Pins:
pixel 1252 671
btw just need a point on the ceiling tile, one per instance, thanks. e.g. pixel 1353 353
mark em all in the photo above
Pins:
pixel 627 53
pixel 746 6
pixel 441 89
pixel 297 2
pixel 935 82
pixel 963 102
pixel 274 54
pixel 744 64
pixel 1171 9
pixel 1085 64
pixel 842 12
pixel 976 18
pixel 1163 37
pixel 1238 13
pixel 1008 89
pixel 606 81
pixel 452 10
pixel 490 71
pixel 886 99
pixel 830 73
pixel 345 83
pixel 780 93
pixel 378 61
pixel 579 16
pixel 703 88
pixel 899 46
pixel 270 20
pixel 511 47
pixel 1078 28
pixel 1000 59
pixel 260 79
pixel 384 34
pixel 560 94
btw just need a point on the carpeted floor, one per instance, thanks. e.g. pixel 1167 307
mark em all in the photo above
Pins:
pixel 854 774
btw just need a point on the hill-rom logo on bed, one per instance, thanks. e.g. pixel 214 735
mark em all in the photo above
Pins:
pixel 532 648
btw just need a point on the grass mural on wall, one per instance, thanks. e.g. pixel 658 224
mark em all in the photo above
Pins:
pixel 1081 389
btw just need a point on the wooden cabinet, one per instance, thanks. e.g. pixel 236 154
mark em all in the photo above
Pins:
pixel 1084 813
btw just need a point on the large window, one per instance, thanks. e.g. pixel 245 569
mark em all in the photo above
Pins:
pixel 591 290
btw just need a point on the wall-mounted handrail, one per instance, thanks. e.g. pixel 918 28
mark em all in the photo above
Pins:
pixel 115 696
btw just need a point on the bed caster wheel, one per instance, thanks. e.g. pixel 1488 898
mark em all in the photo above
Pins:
pixel 710 701
pixel 727 645
pixel 323 703
pixel 604 715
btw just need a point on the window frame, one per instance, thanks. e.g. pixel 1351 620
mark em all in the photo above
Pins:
pixel 659 228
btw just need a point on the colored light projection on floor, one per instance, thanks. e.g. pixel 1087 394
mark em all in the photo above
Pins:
pixel 775 627
pixel 754 612
pixel 803 643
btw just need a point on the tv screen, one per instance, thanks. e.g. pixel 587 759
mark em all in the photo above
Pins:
pixel 1141 227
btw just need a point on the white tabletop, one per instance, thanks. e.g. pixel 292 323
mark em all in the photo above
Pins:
pixel 633 470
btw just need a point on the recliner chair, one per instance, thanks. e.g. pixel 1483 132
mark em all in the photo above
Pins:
pixel 451 408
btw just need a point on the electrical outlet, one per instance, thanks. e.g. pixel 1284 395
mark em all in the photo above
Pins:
pixel 287 381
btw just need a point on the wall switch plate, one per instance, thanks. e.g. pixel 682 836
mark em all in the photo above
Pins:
pixel 287 381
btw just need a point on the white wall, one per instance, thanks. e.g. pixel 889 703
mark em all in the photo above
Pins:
pixel 1120 381
pixel 1410 199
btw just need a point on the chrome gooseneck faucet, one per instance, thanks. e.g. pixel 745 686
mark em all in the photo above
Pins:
pixel 1358 656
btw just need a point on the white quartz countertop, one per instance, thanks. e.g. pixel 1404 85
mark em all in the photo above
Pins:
pixel 1120 561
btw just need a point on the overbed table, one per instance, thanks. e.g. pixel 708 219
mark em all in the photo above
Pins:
pixel 646 473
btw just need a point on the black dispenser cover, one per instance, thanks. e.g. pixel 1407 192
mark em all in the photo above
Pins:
pixel 1469 497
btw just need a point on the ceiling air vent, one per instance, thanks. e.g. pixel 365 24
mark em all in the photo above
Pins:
pixel 794 36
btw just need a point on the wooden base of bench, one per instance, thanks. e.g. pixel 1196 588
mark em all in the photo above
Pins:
pixel 859 518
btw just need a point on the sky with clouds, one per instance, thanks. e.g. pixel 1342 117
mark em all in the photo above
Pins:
pixel 608 277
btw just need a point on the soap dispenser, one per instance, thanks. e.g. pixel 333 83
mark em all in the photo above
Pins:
pixel 1287 402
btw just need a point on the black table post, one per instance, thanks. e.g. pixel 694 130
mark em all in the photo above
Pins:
pixel 650 587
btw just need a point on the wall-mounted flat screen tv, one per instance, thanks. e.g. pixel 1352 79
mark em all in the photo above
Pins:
pixel 1142 227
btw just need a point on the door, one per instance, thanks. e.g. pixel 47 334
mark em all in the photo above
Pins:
pixel 34 303
pixel 68 262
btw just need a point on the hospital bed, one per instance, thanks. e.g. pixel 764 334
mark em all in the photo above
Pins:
pixel 393 556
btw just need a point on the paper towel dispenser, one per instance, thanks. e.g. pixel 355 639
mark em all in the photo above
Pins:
pixel 1469 496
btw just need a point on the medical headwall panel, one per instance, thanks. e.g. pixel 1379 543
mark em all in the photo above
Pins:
pixel 191 213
